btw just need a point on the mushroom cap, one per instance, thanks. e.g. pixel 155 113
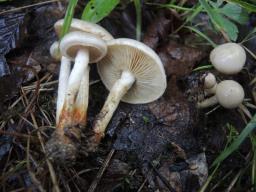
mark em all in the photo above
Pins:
pixel 77 40
pixel 54 51
pixel 209 81
pixel 228 58
pixel 230 94
pixel 138 59
pixel 80 25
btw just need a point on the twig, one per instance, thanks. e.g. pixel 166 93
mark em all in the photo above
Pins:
pixel 101 171
pixel 31 174
pixel 28 6
pixel 143 184
pixel 50 167
pixel 15 134
pixel 162 178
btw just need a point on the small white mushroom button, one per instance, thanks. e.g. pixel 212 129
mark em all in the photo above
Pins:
pixel 210 84
pixel 228 58
pixel 229 94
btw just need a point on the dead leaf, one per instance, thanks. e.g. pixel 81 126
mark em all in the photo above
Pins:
pixel 178 59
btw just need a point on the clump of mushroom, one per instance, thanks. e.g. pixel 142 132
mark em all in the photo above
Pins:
pixel 85 43
pixel 228 58
pixel 133 73
pixel 228 94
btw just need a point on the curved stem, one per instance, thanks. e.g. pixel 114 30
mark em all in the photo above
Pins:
pixel 81 104
pixel 245 110
pixel 74 81
pixel 208 102
pixel 63 80
pixel 210 91
pixel 119 89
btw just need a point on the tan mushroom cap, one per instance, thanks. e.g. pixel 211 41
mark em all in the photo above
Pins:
pixel 230 94
pixel 137 58
pixel 209 81
pixel 80 25
pixel 228 58
pixel 54 51
pixel 78 40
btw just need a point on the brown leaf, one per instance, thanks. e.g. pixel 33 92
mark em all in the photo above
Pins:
pixel 179 59
pixel 158 30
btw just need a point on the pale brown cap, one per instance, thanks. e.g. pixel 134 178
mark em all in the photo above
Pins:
pixel 80 25
pixel 74 41
pixel 230 94
pixel 228 58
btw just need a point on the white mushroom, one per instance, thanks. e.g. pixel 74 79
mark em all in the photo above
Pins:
pixel 228 58
pixel 229 94
pixel 76 25
pixel 210 84
pixel 85 43
pixel 133 73
pixel 83 48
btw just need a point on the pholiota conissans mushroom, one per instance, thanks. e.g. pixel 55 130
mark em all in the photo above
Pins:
pixel 210 84
pixel 133 73
pixel 85 43
pixel 228 58
pixel 82 48
pixel 228 94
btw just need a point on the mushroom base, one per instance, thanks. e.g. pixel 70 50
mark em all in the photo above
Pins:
pixel 63 147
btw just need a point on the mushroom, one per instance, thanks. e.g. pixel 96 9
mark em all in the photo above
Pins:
pixel 210 84
pixel 76 25
pixel 82 48
pixel 229 94
pixel 85 43
pixel 133 73
pixel 228 58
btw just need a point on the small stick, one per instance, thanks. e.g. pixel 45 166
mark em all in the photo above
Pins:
pixel 32 175
pixel 101 171
pixel 162 178
pixel 143 184
pixel 50 167
pixel 16 134
pixel 27 6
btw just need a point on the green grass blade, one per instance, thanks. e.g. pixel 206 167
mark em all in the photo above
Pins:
pixel 137 5
pixel 68 17
pixel 237 142
pixel 204 67
pixel 172 6
pixel 96 10
pixel 202 35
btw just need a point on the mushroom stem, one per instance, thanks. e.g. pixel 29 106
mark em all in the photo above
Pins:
pixel 207 102
pixel 74 81
pixel 118 90
pixel 210 91
pixel 81 103
pixel 63 144
pixel 63 80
